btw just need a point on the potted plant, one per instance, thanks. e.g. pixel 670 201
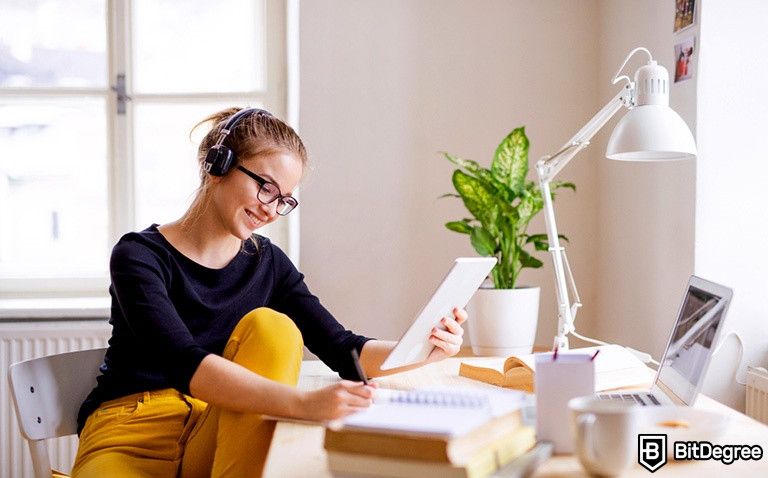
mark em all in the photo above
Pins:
pixel 502 203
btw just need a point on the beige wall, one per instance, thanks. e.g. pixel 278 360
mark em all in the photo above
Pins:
pixel 384 87
pixel 645 210
pixel 656 211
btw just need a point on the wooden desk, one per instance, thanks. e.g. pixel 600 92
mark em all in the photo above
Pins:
pixel 297 450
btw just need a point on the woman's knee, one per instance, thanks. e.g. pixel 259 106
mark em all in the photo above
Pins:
pixel 268 343
pixel 267 325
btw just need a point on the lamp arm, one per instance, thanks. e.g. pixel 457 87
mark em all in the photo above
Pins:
pixel 550 166
pixel 547 168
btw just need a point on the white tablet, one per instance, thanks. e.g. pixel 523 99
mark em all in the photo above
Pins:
pixel 459 285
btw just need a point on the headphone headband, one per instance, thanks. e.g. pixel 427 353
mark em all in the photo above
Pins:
pixel 235 118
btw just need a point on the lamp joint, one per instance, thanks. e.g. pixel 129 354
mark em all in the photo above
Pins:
pixel 628 98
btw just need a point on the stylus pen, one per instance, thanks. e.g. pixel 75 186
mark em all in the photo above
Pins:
pixel 356 361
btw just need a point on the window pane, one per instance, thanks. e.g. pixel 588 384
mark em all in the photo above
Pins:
pixel 53 44
pixel 53 188
pixel 224 54
pixel 166 166
pixel 167 171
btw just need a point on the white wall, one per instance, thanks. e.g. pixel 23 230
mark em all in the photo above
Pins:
pixel 384 87
pixel 646 210
pixel 732 174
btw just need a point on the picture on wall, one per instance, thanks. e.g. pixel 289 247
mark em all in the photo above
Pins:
pixel 683 59
pixel 684 14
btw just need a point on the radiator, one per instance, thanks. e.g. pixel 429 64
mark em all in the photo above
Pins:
pixel 26 340
pixel 757 394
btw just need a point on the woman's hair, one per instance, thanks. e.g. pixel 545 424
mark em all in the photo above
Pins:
pixel 253 135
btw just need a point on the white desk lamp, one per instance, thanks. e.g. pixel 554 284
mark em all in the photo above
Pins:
pixel 650 131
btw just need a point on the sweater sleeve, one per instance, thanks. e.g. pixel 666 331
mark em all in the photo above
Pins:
pixel 322 333
pixel 140 284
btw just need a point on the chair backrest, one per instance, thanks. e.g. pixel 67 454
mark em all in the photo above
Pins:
pixel 48 391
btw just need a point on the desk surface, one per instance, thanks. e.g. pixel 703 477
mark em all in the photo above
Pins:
pixel 297 449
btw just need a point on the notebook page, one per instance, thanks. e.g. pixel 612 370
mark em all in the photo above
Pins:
pixel 435 412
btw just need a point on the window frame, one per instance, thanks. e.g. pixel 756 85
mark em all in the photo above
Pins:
pixel 279 96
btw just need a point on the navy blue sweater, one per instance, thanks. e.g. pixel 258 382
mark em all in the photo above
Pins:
pixel 169 312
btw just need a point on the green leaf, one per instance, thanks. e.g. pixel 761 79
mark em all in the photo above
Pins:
pixel 541 241
pixel 483 241
pixel 536 238
pixel 560 184
pixel 467 164
pixel 478 198
pixel 510 162
pixel 528 260
pixel 530 205
pixel 459 226
pixel 449 195
pixel 473 169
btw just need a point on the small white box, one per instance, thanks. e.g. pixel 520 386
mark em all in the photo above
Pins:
pixel 558 380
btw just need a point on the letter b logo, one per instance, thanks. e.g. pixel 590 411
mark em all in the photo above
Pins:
pixel 652 451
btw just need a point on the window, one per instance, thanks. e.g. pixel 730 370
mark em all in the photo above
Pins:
pixel 97 99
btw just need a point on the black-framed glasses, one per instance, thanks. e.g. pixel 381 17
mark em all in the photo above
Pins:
pixel 269 191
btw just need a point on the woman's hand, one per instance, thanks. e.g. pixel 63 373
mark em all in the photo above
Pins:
pixel 336 401
pixel 448 342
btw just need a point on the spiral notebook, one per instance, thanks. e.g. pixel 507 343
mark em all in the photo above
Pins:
pixel 434 412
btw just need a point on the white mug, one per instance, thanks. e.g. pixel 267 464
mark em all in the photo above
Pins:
pixel 604 433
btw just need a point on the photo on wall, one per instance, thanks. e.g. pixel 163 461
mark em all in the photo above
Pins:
pixel 684 14
pixel 684 63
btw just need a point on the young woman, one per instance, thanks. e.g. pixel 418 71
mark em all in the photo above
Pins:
pixel 209 323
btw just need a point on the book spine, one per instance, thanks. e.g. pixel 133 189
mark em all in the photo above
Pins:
pixel 440 449
pixel 482 464
pixel 352 464
pixel 386 445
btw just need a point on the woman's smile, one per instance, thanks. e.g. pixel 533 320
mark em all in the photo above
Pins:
pixel 255 218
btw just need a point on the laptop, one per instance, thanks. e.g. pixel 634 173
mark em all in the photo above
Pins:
pixel 694 336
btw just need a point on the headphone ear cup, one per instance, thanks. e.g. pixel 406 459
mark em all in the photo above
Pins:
pixel 218 160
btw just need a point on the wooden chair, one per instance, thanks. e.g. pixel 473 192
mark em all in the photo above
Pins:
pixel 47 393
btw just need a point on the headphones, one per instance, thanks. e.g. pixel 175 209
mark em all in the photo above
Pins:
pixel 220 159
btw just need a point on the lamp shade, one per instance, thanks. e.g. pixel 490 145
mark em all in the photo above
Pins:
pixel 651 133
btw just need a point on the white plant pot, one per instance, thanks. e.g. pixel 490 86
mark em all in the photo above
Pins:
pixel 502 322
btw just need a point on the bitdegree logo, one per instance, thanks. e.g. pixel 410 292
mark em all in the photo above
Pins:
pixel 652 451
pixel 704 450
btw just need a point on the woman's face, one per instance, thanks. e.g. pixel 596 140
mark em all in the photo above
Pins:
pixel 235 196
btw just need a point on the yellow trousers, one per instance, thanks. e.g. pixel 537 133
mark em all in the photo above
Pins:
pixel 165 433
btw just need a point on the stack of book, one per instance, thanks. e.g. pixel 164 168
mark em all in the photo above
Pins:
pixel 428 435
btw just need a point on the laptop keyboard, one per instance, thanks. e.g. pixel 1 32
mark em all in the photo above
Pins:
pixel 644 399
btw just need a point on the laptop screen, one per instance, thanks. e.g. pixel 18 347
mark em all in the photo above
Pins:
pixel 690 346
